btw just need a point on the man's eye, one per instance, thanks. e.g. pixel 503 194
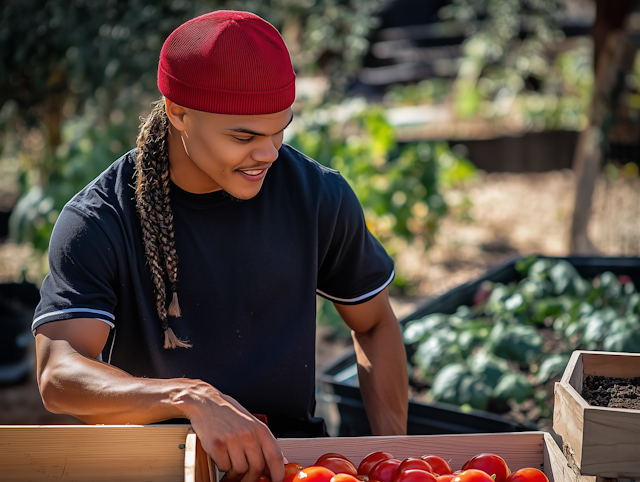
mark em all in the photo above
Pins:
pixel 243 139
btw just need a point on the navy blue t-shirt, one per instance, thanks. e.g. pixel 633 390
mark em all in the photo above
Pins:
pixel 248 274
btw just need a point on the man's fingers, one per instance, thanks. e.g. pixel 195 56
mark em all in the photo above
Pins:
pixel 239 465
pixel 272 455
pixel 220 456
pixel 256 461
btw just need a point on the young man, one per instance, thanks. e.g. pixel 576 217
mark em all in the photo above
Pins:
pixel 212 207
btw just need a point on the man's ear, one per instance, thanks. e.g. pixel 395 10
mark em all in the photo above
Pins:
pixel 176 114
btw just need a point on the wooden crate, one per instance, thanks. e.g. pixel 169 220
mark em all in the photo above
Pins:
pixel 104 453
pixel 520 450
pixel 172 452
pixel 601 441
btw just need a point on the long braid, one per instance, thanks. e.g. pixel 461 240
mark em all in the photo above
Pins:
pixel 156 217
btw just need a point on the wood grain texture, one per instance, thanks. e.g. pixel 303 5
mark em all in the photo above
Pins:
pixel 556 464
pixel 190 457
pixel 608 364
pixel 605 441
pixel 573 373
pixel 101 453
pixel 611 442
pixel 568 417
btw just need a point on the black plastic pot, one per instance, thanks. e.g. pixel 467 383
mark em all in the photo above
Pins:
pixel 337 384
pixel 17 302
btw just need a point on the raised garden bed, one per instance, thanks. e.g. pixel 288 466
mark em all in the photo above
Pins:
pixel 599 441
pixel 534 335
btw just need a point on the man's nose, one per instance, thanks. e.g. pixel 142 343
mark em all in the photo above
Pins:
pixel 266 152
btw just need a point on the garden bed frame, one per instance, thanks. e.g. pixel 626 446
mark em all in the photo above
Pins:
pixel 598 441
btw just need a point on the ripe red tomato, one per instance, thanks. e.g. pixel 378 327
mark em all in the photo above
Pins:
pixel 264 478
pixel 331 455
pixel 344 478
pixel 314 474
pixel 472 475
pixel 490 464
pixel 414 463
pixel 385 470
pixel 527 475
pixel 338 465
pixel 445 478
pixel 414 475
pixel 292 468
pixel 439 465
pixel 371 460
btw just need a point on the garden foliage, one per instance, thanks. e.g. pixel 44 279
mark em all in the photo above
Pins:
pixel 516 339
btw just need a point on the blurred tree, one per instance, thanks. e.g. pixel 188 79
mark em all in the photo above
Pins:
pixel 505 39
pixel 75 75
pixel 58 51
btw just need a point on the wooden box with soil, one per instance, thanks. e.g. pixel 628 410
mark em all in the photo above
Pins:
pixel 599 440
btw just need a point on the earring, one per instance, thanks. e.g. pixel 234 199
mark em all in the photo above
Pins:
pixel 183 144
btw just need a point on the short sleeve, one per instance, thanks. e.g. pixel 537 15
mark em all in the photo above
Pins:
pixel 82 269
pixel 354 267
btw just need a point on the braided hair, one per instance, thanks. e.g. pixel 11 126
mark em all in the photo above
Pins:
pixel 156 217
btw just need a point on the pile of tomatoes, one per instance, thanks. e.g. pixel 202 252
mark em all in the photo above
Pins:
pixel 385 467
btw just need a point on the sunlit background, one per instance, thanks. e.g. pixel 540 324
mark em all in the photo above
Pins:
pixel 462 125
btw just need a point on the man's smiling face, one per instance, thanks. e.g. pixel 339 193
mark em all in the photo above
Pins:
pixel 230 152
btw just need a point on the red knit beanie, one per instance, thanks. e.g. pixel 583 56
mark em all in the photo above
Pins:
pixel 227 62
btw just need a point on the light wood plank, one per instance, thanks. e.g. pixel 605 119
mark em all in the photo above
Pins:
pixel 556 467
pixel 611 446
pixel 609 364
pixel 574 372
pixel 190 457
pixel 103 453
pixel 568 417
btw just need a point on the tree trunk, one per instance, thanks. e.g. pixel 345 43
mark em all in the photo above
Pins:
pixel 615 61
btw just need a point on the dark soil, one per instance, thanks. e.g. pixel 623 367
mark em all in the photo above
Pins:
pixel 612 392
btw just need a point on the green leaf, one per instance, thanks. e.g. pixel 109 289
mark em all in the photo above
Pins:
pixel 436 351
pixel 552 367
pixel 515 342
pixel 473 391
pixel 562 276
pixel 523 265
pixel 514 302
pixel 445 384
pixel 421 329
pixel 540 269
pixel 488 367
pixel 513 386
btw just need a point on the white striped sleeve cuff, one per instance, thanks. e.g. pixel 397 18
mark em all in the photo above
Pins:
pixel 101 315
pixel 370 294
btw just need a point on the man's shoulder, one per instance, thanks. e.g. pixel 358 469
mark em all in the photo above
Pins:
pixel 112 191
pixel 314 174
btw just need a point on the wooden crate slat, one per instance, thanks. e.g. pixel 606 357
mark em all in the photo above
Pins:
pixel 619 365
pixel 613 447
pixel 93 452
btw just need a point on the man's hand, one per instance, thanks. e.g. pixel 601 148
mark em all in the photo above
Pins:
pixel 72 381
pixel 382 363
pixel 236 441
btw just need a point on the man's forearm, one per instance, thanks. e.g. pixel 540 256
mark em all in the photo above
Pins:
pixel 382 371
pixel 96 392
